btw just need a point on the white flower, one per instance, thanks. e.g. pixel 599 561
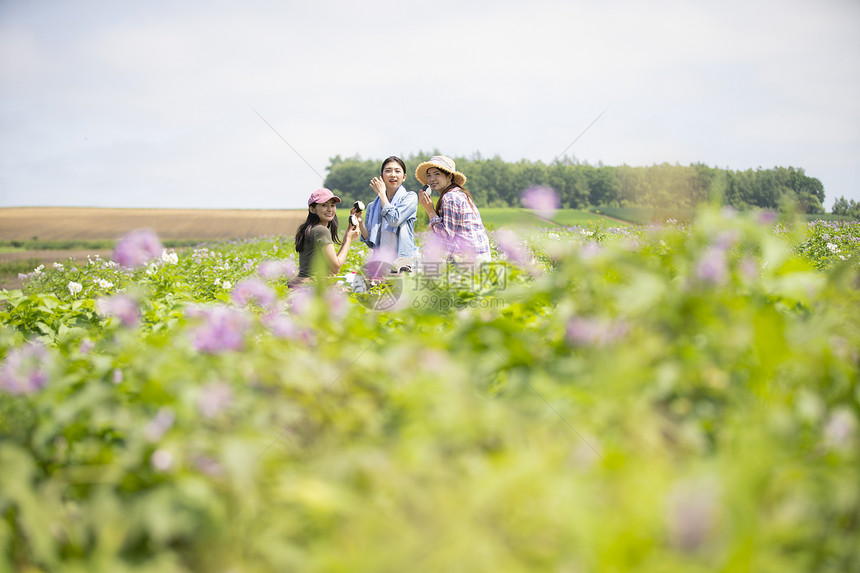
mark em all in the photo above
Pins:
pixel 105 284
pixel 586 232
pixel 840 429
pixel 58 266
pixel 227 285
pixel 169 258
pixel 833 247
pixel 151 270
pixel 161 460
pixel 217 281
pixel 75 288
pixel 38 270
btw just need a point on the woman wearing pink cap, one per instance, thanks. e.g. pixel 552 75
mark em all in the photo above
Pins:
pixel 318 234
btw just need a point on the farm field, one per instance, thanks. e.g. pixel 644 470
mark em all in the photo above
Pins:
pixel 525 218
pixel 59 223
pixel 678 398
pixel 55 223
pixel 53 226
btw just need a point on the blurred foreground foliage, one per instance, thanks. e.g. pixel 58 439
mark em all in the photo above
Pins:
pixel 677 398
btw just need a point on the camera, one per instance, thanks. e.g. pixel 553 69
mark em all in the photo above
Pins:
pixel 358 207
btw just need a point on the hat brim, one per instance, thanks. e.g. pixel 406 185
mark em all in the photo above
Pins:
pixel 335 197
pixel 421 173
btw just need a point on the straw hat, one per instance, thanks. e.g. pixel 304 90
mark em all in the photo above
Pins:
pixel 442 163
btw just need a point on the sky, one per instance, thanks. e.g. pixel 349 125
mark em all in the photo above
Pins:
pixel 159 104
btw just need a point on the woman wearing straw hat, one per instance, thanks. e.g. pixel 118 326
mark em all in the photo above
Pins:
pixel 455 218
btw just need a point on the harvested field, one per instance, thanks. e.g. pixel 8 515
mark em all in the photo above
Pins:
pixel 57 223
pixel 81 223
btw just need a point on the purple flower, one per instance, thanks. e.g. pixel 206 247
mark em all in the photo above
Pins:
pixel 117 376
pixel 767 217
pixel 208 466
pixel 283 326
pixel 590 250
pixel 727 239
pixel 542 200
pixel 592 331
pixel 121 306
pixel 276 269
pixel 511 245
pixel 137 247
pixel 253 289
pixel 749 268
pixel 159 424
pixel 691 514
pixel 713 266
pixel 301 300
pixel 23 371
pixel 86 346
pixel 434 249
pixel 223 329
pixel 214 398
pixel 336 303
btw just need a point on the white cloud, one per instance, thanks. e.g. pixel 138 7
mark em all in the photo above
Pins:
pixel 152 104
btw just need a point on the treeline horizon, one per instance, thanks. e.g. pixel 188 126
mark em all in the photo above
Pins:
pixel 494 182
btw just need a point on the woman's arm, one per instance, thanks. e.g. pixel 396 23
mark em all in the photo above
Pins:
pixel 335 260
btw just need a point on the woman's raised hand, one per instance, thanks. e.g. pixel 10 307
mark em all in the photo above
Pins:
pixel 425 201
pixel 378 186
pixel 352 233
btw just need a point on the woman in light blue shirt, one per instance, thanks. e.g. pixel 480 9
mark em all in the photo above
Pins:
pixel 388 225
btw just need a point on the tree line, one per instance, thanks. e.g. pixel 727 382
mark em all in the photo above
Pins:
pixel 497 183
pixel 850 207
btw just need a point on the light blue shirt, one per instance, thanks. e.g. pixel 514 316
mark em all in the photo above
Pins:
pixel 397 217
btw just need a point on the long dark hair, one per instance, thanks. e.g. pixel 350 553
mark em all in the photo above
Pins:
pixel 303 233
pixel 450 187
pixel 389 160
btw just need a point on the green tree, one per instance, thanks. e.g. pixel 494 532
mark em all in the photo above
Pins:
pixel 602 185
pixel 498 183
pixel 848 207
pixel 350 179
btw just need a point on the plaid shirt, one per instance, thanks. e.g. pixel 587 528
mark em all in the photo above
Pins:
pixel 460 226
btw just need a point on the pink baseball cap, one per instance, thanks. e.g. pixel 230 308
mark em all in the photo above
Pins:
pixel 321 196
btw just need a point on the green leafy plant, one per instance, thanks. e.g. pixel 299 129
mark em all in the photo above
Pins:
pixel 677 397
